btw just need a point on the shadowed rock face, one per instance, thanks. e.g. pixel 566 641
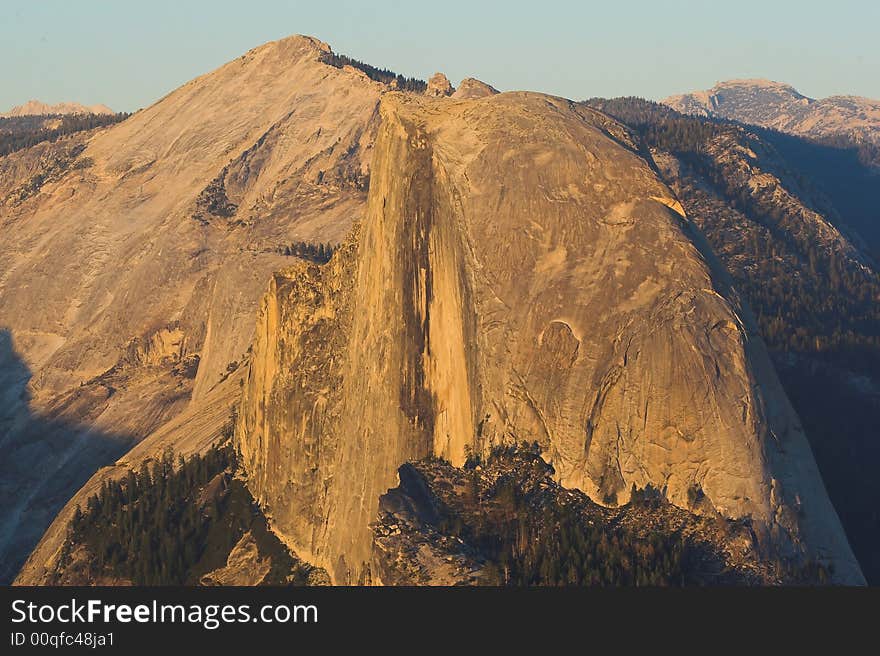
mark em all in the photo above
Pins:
pixel 521 274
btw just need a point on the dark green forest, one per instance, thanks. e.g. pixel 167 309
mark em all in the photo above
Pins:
pixel 147 527
pixel 319 253
pixel 558 547
pixel 378 74
pixel 508 512
pixel 19 132
pixel 174 520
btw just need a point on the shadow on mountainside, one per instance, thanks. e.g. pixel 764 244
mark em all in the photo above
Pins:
pixel 839 172
pixel 45 460
pixel 841 422
pixel 839 405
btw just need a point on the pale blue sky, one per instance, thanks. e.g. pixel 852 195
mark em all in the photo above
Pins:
pixel 129 54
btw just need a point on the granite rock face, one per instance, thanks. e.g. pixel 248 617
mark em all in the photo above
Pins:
pixel 518 272
pixel 521 274
pixel 781 107
pixel 439 86
pixel 133 259
pixel 470 88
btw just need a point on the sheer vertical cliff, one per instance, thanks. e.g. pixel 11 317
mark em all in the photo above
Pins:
pixel 520 274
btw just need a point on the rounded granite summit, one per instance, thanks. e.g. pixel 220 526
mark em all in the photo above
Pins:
pixel 471 88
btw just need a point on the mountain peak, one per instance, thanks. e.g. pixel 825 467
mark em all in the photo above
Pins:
pixel 755 83
pixel 757 92
pixel 36 107
pixel 470 87
pixel 294 42
pixel 780 106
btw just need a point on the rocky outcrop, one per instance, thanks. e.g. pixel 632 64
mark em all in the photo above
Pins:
pixel 470 88
pixel 439 86
pixel 244 565
pixel 521 274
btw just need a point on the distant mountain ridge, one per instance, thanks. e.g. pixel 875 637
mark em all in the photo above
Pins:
pixel 781 107
pixel 37 108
